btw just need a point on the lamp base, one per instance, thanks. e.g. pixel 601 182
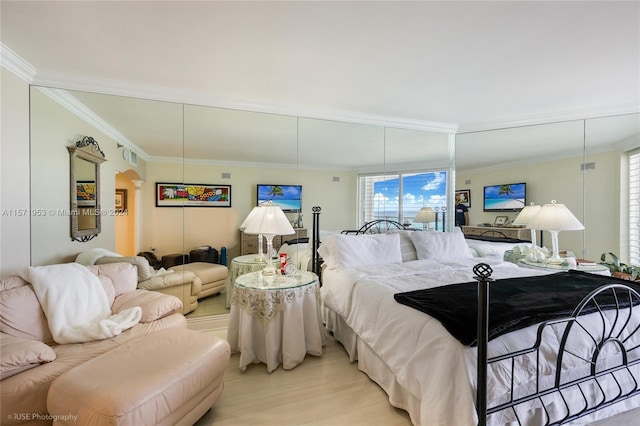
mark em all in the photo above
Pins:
pixel 555 260
pixel 269 270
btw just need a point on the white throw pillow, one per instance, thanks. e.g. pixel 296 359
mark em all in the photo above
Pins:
pixel 407 249
pixel 440 245
pixel 362 250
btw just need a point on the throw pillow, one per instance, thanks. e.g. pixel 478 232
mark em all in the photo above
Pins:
pixel 20 354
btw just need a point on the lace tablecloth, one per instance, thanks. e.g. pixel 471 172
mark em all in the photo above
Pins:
pixel 276 321
pixel 241 265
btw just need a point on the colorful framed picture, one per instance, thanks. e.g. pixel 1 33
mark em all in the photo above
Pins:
pixel 192 195
pixel 86 193
pixel 464 195
pixel 121 200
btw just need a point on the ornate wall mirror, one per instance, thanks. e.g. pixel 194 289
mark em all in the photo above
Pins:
pixel 85 159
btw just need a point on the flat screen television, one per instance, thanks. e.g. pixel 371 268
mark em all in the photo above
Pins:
pixel 510 197
pixel 288 197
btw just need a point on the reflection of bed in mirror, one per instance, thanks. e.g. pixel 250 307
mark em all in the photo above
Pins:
pixel 428 372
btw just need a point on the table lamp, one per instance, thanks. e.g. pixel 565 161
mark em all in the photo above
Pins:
pixel 269 220
pixel 252 214
pixel 555 218
pixel 525 216
pixel 425 215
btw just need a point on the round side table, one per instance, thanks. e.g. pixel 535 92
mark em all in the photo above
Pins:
pixel 276 319
pixel 241 265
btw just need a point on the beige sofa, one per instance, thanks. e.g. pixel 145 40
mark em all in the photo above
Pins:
pixel 32 361
pixel 182 284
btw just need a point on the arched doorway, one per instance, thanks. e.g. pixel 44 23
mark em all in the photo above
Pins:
pixel 126 221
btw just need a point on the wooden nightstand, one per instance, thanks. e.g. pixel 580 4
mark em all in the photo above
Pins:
pixel 249 242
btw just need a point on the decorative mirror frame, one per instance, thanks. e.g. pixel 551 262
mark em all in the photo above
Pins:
pixel 86 149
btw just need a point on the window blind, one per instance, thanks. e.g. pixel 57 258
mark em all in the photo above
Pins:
pixel 634 207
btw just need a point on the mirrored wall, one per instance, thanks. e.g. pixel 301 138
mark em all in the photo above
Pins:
pixel 576 163
pixel 181 143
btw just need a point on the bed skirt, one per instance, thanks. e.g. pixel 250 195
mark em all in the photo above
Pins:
pixel 372 366
pixel 378 371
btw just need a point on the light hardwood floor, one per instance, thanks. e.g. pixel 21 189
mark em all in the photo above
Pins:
pixel 322 391
pixel 326 390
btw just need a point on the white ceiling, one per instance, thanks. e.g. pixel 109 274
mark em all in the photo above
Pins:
pixel 473 64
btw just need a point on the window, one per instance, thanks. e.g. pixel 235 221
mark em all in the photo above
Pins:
pixel 400 196
pixel 634 207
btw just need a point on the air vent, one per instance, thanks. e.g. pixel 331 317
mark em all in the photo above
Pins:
pixel 588 166
pixel 133 158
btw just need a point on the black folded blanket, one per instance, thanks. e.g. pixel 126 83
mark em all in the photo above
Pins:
pixel 514 303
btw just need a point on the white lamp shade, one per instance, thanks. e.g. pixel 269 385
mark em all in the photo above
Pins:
pixel 526 214
pixel 252 214
pixel 268 220
pixel 425 215
pixel 555 217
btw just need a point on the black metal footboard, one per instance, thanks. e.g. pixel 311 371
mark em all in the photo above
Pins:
pixel 316 261
pixel 597 359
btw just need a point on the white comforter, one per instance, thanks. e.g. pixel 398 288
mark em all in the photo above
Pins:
pixel 425 359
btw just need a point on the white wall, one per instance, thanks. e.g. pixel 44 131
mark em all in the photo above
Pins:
pixel 53 129
pixel 14 174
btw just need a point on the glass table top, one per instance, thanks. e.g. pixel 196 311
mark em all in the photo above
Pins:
pixel 260 281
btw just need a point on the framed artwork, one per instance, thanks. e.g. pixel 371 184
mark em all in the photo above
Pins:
pixel 86 193
pixel 465 197
pixel 500 220
pixel 192 195
pixel 121 200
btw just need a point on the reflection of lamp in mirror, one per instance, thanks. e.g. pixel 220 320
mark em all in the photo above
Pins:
pixel 252 214
pixel 555 218
pixel 425 215
pixel 268 220
pixel 525 216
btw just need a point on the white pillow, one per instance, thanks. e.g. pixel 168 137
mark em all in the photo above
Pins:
pixel 440 245
pixel 362 250
pixel 407 249
pixel 327 251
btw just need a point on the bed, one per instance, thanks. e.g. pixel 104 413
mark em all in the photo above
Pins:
pixel 433 376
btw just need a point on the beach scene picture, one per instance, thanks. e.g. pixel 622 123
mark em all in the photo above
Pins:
pixel 288 197
pixel 504 197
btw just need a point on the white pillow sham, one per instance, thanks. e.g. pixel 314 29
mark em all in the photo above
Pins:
pixel 440 245
pixel 360 250
pixel 407 249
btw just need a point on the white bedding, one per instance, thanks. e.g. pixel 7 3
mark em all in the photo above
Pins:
pixel 425 360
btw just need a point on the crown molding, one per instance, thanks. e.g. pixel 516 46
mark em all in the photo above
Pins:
pixel 554 117
pixel 16 64
pixel 157 93
pixel 67 101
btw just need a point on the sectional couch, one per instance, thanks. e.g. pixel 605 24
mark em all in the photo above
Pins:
pixel 32 360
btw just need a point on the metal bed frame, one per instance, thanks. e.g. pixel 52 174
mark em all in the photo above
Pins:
pixel 619 334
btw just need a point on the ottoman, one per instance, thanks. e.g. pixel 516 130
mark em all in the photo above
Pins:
pixel 212 276
pixel 170 377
